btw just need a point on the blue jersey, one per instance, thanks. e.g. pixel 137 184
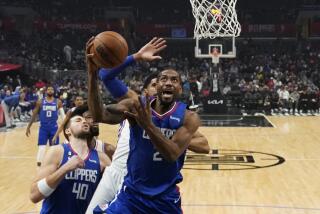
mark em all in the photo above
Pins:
pixel 148 172
pixel 75 191
pixel 49 113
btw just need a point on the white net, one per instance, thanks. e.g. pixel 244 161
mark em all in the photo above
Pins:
pixel 215 18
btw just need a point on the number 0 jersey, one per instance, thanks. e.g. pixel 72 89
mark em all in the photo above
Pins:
pixel 74 192
pixel 48 113
pixel 148 172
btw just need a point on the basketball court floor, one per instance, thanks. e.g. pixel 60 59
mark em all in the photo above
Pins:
pixel 266 165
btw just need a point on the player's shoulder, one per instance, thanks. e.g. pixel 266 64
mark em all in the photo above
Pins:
pixel 56 149
pixel 192 117
pixel 190 113
pixel 55 153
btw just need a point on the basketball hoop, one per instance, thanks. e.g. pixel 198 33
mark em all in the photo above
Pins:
pixel 215 19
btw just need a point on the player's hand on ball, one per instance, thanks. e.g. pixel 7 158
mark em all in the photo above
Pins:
pixel 142 114
pixel 91 66
pixel 150 50
pixel 74 162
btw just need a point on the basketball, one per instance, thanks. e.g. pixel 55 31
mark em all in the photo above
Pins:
pixel 110 49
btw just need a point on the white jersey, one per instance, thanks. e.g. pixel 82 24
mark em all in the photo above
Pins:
pixel 99 145
pixel 113 175
pixel 120 156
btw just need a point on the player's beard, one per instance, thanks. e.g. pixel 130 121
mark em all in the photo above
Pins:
pixel 166 104
pixel 82 135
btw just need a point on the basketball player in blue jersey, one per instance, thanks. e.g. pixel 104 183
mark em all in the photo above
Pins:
pixel 48 109
pixel 112 179
pixel 200 142
pixel 160 132
pixel 70 172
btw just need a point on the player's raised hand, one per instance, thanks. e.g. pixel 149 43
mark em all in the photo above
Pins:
pixel 143 112
pixel 74 162
pixel 151 49
pixel 91 66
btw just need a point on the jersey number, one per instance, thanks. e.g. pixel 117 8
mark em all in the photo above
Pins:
pixel 156 156
pixel 81 190
pixel 49 113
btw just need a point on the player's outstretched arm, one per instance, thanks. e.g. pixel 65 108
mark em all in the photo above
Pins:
pixel 65 120
pixel 35 112
pixel 169 149
pixel 50 174
pixel 149 52
pixel 99 113
pixel 199 143
pixel 94 99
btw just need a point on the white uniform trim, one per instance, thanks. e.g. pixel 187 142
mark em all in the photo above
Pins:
pixel 113 175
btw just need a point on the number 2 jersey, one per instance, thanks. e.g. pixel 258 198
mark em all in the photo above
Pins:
pixel 74 192
pixel 148 172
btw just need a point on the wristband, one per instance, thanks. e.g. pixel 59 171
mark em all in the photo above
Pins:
pixel 112 73
pixel 44 188
pixel 116 88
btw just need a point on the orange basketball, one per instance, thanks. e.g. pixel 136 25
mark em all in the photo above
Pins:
pixel 110 49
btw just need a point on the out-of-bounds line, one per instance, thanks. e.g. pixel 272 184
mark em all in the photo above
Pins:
pixel 252 206
pixel 265 116
pixel 226 120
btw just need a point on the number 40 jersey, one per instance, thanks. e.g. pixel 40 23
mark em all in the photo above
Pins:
pixel 75 191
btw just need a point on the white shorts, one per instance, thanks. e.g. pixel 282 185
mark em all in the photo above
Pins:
pixel 108 187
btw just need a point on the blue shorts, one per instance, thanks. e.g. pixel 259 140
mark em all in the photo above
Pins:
pixel 47 133
pixel 127 201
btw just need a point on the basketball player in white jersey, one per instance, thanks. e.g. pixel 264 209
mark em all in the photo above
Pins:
pixel 112 179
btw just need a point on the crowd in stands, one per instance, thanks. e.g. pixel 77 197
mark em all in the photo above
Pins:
pixel 44 52
pixel 272 76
